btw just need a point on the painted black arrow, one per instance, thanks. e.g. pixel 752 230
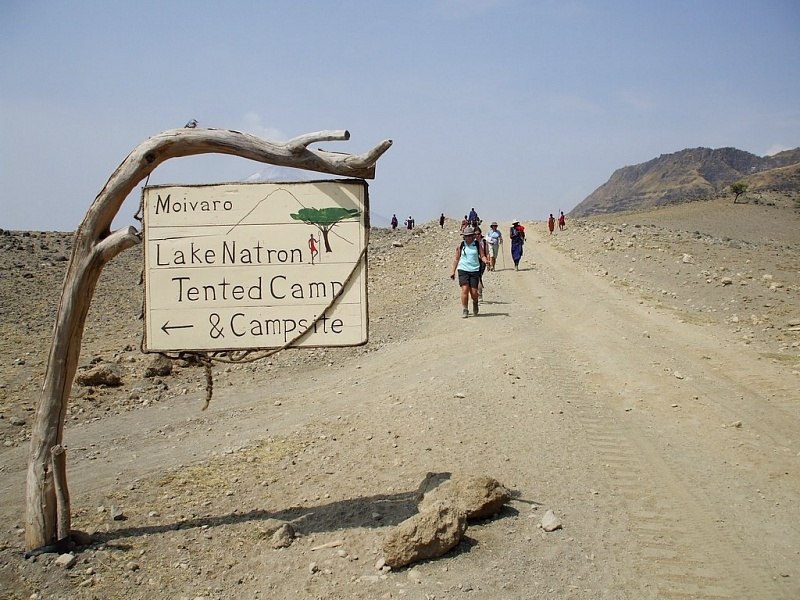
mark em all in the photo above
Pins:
pixel 166 327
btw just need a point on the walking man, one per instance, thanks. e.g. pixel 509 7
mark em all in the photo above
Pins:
pixel 495 241
pixel 517 235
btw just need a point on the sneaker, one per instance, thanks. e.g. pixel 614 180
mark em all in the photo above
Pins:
pixel 474 309
pixel 465 314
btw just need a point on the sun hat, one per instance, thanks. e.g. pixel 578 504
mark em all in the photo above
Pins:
pixel 515 222
pixel 468 231
pixel 494 224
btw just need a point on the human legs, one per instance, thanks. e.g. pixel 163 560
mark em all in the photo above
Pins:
pixel 469 288
pixel 465 293
pixel 516 254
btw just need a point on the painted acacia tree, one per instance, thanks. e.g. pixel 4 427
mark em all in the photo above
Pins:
pixel 325 219
pixel 47 517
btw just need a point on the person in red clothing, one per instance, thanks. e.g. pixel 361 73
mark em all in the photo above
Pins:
pixel 312 247
pixel 562 222
pixel 551 223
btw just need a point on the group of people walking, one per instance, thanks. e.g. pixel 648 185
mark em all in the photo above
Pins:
pixel 477 253
pixel 562 222
pixel 409 222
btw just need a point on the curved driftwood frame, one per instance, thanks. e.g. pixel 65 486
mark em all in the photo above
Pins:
pixel 47 517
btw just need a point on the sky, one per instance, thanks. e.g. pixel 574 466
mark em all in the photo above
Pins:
pixel 518 108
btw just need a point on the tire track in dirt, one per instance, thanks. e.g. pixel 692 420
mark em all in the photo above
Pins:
pixel 746 476
pixel 673 537
pixel 684 551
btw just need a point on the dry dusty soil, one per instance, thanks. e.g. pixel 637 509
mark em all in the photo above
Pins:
pixel 639 376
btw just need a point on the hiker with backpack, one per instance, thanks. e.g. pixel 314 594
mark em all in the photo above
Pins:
pixel 469 257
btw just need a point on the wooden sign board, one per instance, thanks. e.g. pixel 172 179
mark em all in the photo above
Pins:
pixel 255 265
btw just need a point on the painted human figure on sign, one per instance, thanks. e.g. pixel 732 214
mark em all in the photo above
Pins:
pixel 312 247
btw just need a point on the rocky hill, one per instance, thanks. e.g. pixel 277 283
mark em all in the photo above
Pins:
pixel 690 174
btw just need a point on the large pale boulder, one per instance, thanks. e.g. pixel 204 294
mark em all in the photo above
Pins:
pixel 477 496
pixel 428 534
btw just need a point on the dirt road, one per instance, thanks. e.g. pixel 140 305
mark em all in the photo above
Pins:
pixel 692 438
pixel 669 451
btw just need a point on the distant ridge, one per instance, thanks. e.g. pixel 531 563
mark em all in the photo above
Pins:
pixel 688 175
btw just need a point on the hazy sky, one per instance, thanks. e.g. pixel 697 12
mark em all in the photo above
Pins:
pixel 516 107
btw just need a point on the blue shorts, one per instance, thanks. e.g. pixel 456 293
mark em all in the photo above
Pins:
pixel 470 278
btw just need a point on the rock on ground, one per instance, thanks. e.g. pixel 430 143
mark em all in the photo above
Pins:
pixel 478 496
pixel 428 534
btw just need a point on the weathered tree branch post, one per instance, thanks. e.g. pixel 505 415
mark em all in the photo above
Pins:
pixel 47 518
